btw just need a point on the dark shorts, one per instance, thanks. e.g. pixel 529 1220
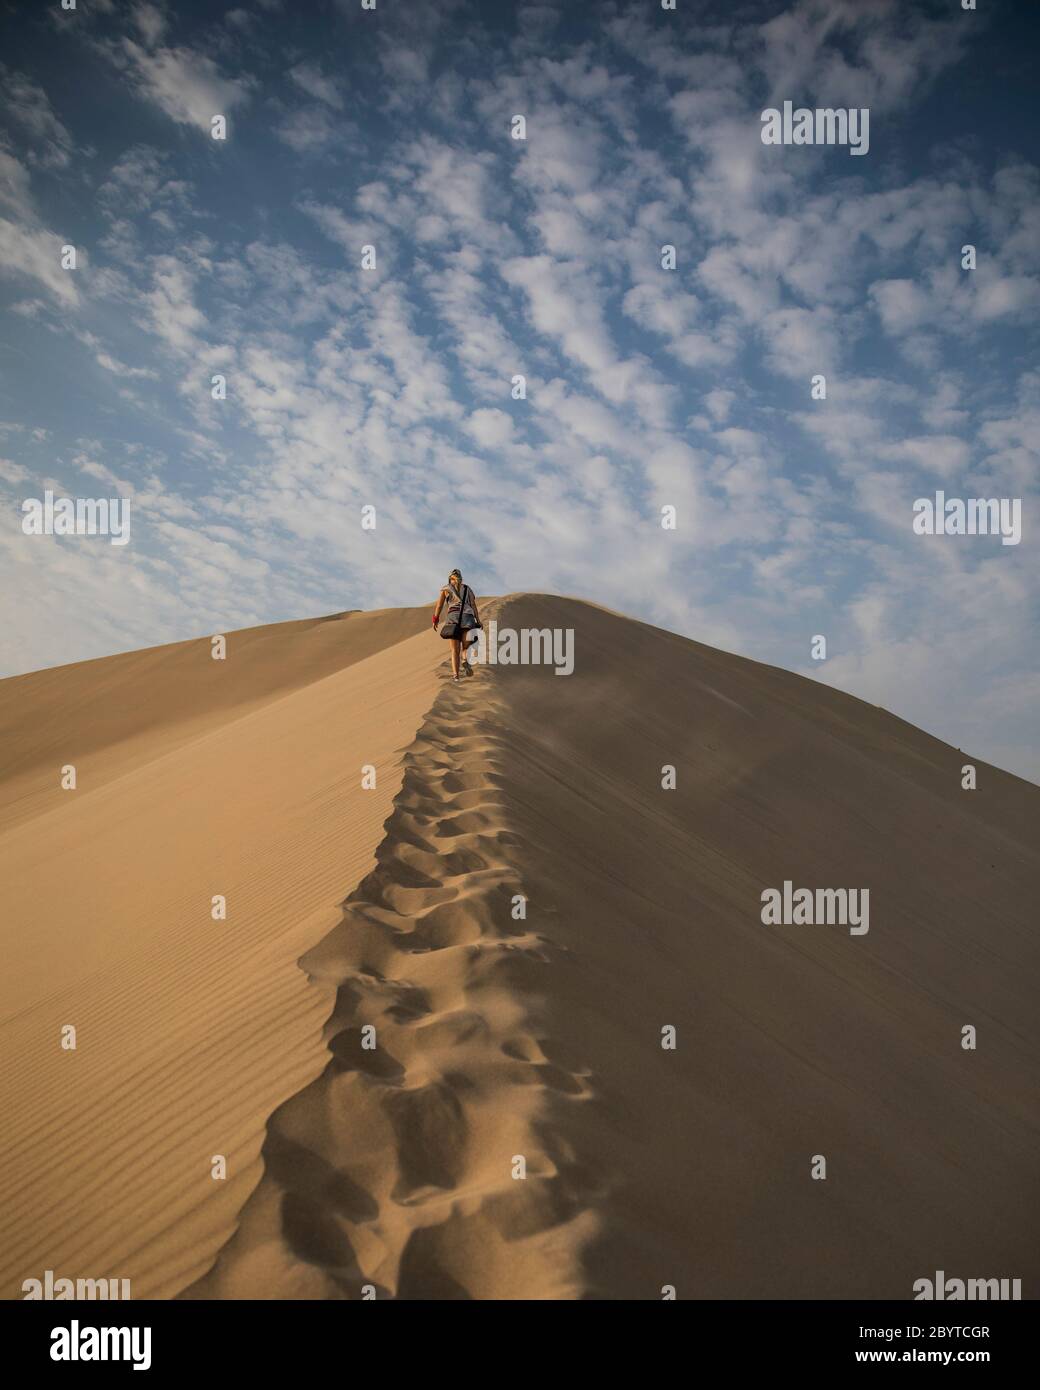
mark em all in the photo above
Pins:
pixel 461 634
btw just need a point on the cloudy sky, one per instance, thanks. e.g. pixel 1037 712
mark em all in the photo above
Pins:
pixel 392 387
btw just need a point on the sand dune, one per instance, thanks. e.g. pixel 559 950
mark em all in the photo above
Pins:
pixel 504 1040
pixel 122 711
pixel 190 1030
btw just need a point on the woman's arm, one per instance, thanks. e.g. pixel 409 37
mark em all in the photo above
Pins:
pixel 440 605
pixel 476 611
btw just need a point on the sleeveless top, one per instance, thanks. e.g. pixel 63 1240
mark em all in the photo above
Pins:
pixel 459 607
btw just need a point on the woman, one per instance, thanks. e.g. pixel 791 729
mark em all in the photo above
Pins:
pixel 460 620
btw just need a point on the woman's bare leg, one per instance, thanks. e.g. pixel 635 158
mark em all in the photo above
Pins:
pixel 456 647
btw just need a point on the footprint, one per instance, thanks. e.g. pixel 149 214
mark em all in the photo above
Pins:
pixel 454 782
pixel 431 1130
pixel 349 1055
pixel 449 924
pixel 410 1003
pixel 314 1235
pixel 530 1207
pixel 523 1049
pixel 463 861
pixel 466 823
pixel 450 1030
pixel 422 1274
pixel 556 1079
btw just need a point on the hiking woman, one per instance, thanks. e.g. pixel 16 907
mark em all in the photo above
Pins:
pixel 460 619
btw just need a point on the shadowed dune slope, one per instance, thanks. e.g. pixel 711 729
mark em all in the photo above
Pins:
pixel 792 1041
pixel 196 778
pixel 498 1117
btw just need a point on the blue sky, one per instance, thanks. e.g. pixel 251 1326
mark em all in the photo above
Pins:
pixel 392 387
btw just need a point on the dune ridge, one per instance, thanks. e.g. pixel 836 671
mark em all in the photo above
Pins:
pixel 394 1170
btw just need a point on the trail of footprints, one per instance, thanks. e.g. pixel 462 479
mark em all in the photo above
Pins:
pixel 460 1081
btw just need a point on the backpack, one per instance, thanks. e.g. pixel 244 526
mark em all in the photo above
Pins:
pixel 459 607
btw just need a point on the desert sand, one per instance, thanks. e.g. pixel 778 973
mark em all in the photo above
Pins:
pixel 517 1131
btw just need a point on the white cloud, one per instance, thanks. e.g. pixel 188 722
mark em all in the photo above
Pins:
pixel 27 248
pixel 170 309
pixel 944 454
pixel 492 429
pixel 183 83
pixel 309 130
pixel 26 103
pixel 150 21
pixel 310 79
